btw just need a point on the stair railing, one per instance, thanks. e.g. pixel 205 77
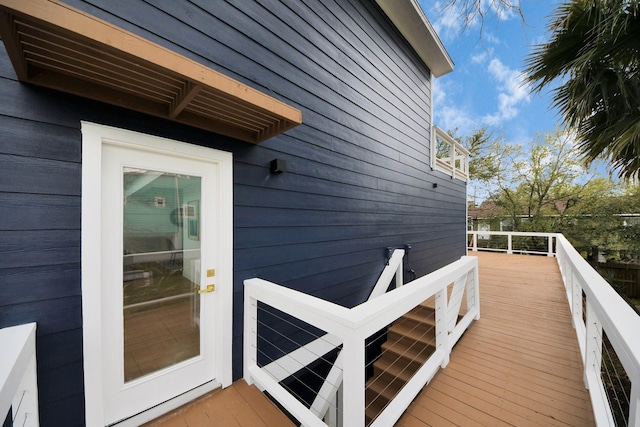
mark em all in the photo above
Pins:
pixel 18 376
pixel 305 355
pixel 327 396
pixel 332 325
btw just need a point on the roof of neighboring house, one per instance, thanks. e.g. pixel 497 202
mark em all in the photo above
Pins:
pixel 409 18
pixel 487 209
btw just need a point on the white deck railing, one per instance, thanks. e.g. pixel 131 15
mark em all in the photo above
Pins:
pixel 350 328
pixel 448 155
pixel 512 242
pixel 598 314
pixel 18 377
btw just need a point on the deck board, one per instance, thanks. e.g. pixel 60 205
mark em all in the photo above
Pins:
pixel 519 364
pixel 239 405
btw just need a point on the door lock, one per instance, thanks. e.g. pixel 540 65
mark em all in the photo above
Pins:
pixel 207 290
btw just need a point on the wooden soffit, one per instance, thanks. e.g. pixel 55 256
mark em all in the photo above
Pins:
pixel 54 45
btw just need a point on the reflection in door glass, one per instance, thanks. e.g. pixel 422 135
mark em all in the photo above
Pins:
pixel 161 270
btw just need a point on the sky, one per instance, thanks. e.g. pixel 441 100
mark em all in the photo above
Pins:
pixel 485 88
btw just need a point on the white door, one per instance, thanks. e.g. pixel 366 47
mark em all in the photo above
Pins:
pixel 164 274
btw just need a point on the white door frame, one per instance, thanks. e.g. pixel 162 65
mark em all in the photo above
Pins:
pixel 93 136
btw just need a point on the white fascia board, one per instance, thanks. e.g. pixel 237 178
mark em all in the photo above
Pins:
pixel 409 18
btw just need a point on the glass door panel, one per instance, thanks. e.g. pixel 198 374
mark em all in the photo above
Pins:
pixel 161 270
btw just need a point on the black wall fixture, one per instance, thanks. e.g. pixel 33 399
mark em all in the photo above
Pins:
pixel 278 166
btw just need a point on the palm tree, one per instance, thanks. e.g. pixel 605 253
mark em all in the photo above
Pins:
pixel 594 50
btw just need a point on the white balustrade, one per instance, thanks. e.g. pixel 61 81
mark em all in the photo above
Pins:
pixel 18 376
pixel 351 327
pixel 449 156
pixel 497 245
pixel 608 313
pixel 597 311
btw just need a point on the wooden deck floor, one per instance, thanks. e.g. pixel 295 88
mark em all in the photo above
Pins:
pixel 519 364
pixel 239 405
pixel 516 366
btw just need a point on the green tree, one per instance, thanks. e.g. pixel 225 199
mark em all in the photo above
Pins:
pixel 594 51
pixel 528 182
pixel 482 148
pixel 594 224
pixel 542 186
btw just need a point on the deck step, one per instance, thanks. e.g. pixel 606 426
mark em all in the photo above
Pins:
pixel 391 366
pixel 422 314
pixel 407 328
pixel 409 349
pixel 410 342
pixel 373 409
pixel 382 387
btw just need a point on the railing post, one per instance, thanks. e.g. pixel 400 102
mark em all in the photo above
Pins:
pixel 634 402
pixel 509 244
pixel 475 242
pixel 474 290
pixel 568 288
pixel 250 332
pixel 353 381
pixel 593 346
pixel 331 416
pixel 550 251
pixel 399 277
pixel 18 370
pixel 442 333
pixel 576 300
pixel 452 157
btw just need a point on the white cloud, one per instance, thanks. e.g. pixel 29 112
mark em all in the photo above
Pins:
pixel 501 11
pixel 451 19
pixel 490 38
pixel 450 116
pixel 513 93
pixel 482 57
pixel 540 39
pixel 448 24
pixel 438 92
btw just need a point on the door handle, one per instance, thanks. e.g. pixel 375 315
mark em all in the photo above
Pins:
pixel 207 290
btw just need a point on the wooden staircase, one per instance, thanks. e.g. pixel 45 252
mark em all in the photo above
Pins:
pixel 410 342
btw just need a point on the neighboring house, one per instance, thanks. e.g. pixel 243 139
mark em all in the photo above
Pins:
pixel 487 216
pixel 151 149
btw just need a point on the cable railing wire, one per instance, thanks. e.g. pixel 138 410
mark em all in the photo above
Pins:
pixel 306 368
pixel 421 351
pixel 16 411
pixel 397 358
pixel 298 396
pixel 614 388
pixel 317 337
pixel 270 313
pixel 418 344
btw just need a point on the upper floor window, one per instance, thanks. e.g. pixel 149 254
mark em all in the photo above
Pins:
pixel 448 155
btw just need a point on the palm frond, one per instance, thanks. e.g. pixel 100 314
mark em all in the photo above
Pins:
pixel 594 51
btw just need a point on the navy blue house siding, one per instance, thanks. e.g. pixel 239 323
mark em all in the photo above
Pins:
pixel 358 178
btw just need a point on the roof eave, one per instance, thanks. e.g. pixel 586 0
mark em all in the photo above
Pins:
pixel 409 18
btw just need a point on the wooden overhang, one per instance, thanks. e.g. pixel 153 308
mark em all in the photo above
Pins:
pixel 54 45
